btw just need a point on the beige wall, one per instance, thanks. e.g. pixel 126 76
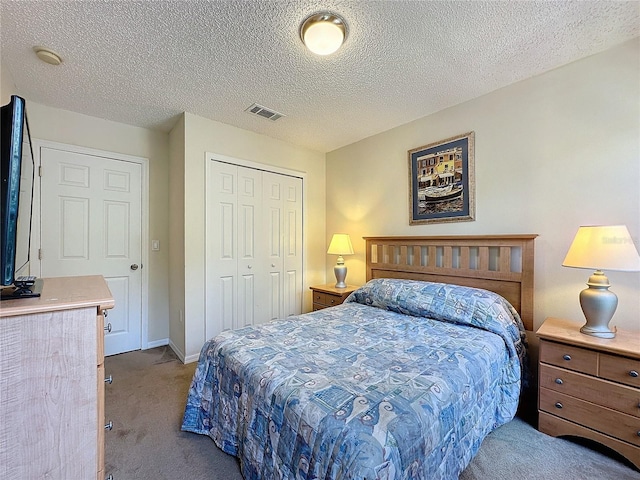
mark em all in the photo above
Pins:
pixel 552 153
pixel 52 124
pixel 176 237
pixel 201 136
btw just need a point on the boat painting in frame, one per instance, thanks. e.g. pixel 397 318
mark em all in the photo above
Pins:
pixel 441 181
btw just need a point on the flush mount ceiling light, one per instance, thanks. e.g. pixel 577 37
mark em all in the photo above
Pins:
pixel 323 33
pixel 47 55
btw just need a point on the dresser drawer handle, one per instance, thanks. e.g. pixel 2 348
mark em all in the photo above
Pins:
pixel 105 313
pixel 633 374
pixel 109 426
pixel 558 405
pixel 109 477
pixel 566 357
pixel 638 433
pixel 108 380
pixel 559 381
pixel 108 327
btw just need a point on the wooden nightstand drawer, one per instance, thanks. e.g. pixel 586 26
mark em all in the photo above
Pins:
pixel 620 369
pixel 329 296
pixel 619 425
pixel 594 390
pixel 565 356
pixel 319 297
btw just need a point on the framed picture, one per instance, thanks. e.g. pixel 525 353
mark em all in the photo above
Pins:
pixel 441 181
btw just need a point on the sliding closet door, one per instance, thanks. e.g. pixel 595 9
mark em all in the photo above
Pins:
pixel 254 246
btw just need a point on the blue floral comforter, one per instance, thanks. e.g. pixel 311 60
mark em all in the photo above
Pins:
pixel 402 381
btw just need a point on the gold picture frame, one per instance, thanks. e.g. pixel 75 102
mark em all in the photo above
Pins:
pixel 442 181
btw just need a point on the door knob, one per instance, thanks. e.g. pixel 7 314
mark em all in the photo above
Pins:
pixel 134 266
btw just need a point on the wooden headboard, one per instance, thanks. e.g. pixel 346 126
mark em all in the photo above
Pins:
pixel 500 263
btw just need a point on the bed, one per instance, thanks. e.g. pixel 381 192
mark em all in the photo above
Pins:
pixel 402 381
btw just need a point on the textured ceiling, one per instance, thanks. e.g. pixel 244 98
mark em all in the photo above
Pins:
pixel 144 62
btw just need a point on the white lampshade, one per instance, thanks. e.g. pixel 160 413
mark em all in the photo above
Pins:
pixel 340 245
pixel 603 248
pixel 323 33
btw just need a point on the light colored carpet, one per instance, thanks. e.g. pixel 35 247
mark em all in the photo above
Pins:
pixel 146 402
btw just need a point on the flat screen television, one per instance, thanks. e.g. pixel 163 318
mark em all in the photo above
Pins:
pixel 16 201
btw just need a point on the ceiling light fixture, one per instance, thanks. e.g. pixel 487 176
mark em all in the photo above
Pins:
pixel 47 55
pixel 323 33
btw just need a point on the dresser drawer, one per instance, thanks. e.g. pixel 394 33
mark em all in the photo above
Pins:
pixel 620 369
pixel 565 356
pixel 618 425
pixel 594 390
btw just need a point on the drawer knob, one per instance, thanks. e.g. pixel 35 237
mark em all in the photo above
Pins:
pixel 633 374
pixel 558 405
pixel 108 327
pixel 105 313
pixel 559 381
pixel 108 380
pixel 109 425
pixel 566 357
pixel 109 477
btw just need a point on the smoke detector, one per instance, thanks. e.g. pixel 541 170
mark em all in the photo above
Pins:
pixel 47 55
pixel 264 112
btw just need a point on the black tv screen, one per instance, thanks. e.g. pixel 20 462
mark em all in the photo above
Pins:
pixel 17 175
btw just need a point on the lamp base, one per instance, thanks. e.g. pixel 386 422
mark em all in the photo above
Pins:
pixel 341 274
pixel 598 305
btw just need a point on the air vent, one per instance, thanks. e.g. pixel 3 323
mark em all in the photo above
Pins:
pixel 264 112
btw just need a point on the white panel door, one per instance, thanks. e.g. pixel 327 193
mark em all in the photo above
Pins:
pixel 283 234
pixel 251 247
pixel 91 224
pixel 254 246
pixel 292 246
pixel 273 237
pixel 222 256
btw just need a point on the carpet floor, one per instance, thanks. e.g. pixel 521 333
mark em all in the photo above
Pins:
pixel 146 403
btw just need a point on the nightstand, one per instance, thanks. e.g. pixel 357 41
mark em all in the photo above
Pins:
pixel 590 387
pixel 329 296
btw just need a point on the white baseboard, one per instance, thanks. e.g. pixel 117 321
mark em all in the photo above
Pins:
pixel 179 353
pixel 157 343
pixel 192 358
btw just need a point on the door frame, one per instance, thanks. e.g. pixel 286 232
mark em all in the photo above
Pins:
pixel 35 264
pixel 216 157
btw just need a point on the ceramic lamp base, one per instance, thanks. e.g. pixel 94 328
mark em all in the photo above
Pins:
pixel 341 274
pixel 598 305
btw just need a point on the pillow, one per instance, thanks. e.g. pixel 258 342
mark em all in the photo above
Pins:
pixel 449 303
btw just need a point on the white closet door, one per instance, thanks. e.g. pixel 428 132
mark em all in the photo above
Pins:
pixel 292 243
pixel 254 247
pixel 273 235
pixel 222 234
pixel 251 267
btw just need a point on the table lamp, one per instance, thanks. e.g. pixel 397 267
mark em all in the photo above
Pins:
pixel 601 248
pixel 340 245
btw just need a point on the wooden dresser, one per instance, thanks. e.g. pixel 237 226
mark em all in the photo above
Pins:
pixel 590 387
pixel 329 296
pixel 52 381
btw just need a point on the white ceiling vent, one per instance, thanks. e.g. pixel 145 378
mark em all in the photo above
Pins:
pixel 264 112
